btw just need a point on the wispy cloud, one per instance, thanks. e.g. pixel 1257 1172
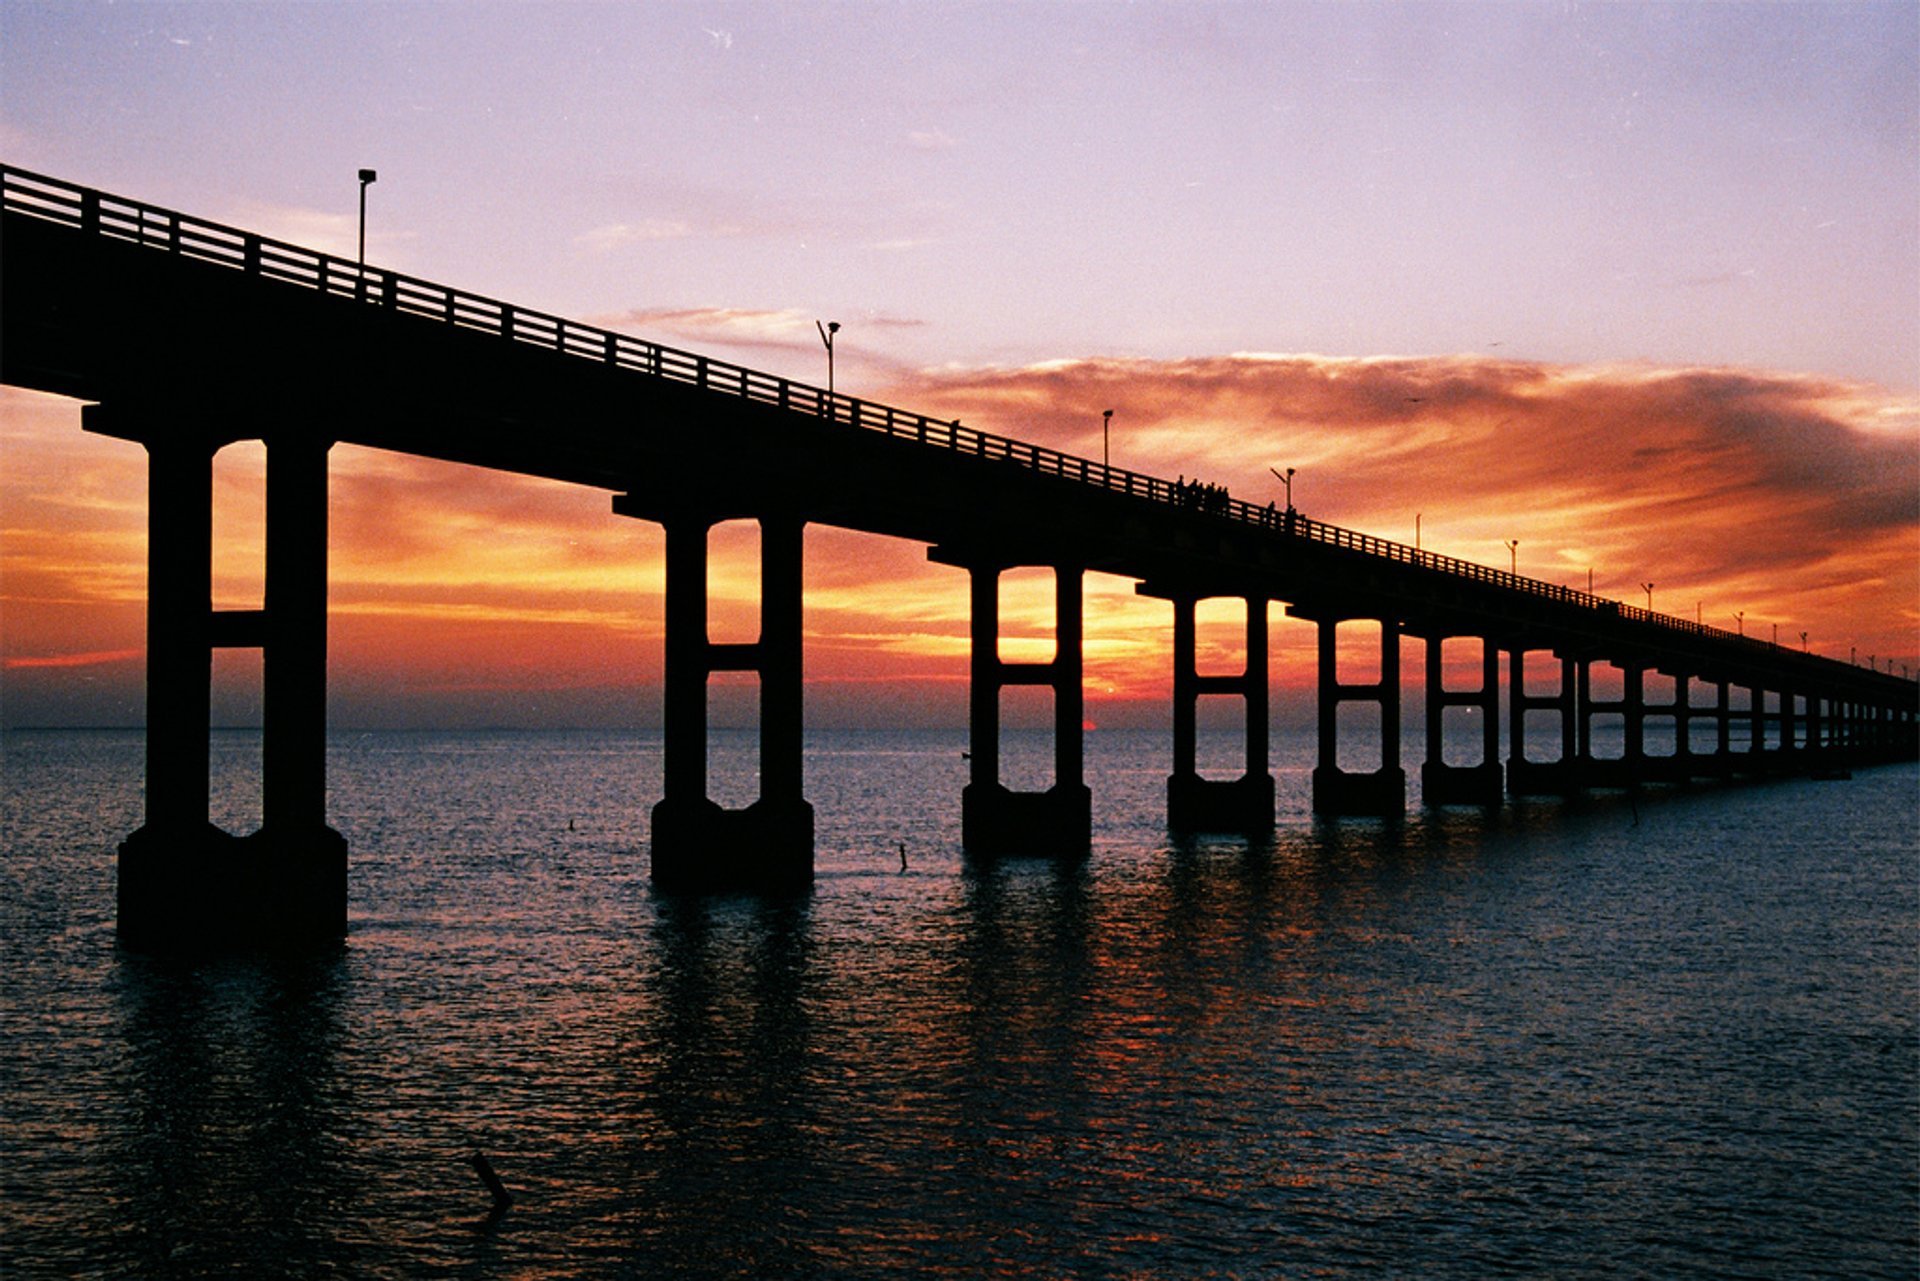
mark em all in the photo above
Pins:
pixel 323 230
pixel 931 140
pixel 618 235
pixel 783 329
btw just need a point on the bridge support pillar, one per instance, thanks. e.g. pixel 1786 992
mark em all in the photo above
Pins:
pixel 1194 803
pixel 1444 784
pixel 1336 791
pixel 1542 778
pixel 1759 757
pixel 1678 767
pixel 1628 769
pixel 185 884
pixel 994 819
pixel 697 845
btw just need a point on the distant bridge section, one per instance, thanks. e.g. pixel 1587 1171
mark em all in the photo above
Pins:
pixel 186 335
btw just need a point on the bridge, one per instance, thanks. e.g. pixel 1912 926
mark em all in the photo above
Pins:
pixel 185 335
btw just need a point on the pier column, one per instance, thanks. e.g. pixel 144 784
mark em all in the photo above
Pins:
pixel 179 639
pixel 1383 792
pixel 1756 761
pixel 294 661
pixel 1196 804
pixel 1629 769
pixel 684 674
pixel 994 819
pixel 1542 778
pixel 697 844
pixel 782 663
pixel 1444 784
pixel 185 884
pixel 1633 700
pixel 1683 718
pixel 306 892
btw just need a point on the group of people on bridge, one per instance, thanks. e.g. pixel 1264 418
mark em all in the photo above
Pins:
pixel 1214 500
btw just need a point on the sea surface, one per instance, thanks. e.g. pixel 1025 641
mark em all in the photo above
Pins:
pixel 1676 1035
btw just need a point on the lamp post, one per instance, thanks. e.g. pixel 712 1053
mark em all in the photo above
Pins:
pixel 1740 620
pixel 1286 479
pixel 1513 557
pixel 827 332
pixel 1648 588
pixel 367 177
pixel 1106 431
pixel 1416 531
pixel 1803 642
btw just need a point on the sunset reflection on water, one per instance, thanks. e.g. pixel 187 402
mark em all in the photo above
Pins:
pixel 1548 1041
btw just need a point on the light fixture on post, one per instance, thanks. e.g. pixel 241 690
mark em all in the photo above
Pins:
pixel 1286 478
pixel 827 332
pixel 367 177
pixel 1106 430
pixel 1513 557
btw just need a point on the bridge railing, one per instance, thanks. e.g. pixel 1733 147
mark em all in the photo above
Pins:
pixel 169 231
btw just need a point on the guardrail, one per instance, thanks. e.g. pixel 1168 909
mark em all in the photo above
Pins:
pixel 118 218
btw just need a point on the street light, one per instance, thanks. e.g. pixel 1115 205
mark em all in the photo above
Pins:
pixel 1648 588
pixel 1513 557
pixel 1106 428
pixel 366 180
pixel 1803 642
pixel 1287 480
pixel 827 332
pixel 1740 620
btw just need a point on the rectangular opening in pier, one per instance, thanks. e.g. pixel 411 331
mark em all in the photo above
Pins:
pixel 1542 730
pixel 1358 724
pixel 1356 647
pixel 1608 736
pixel 1462 732
pixel 733 739
pixel 1219 637
pixel 1028 620
pixel 733 582
pixel 1220 751
pixel 1026 738
pixel 1462 660
pixel 235 761
pixel 240 526
pixel 1542 676
pixel 1660 728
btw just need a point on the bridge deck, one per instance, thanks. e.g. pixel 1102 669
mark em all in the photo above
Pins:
pixel 271 334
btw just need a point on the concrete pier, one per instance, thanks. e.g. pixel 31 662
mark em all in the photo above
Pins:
pixel 184 883
pixel 1480 784
pixel 697 844
pixel 994 819
pixel 1195 803
pixel 1336 791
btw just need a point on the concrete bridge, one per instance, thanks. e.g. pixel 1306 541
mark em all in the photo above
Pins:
pixel 185 335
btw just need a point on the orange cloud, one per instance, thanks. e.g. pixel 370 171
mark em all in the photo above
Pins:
pixel 1789 498
pixel 24 662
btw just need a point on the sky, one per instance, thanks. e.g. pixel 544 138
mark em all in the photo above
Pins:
pixel 1635 286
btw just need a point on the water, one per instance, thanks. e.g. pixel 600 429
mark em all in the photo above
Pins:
pixel 1673 1037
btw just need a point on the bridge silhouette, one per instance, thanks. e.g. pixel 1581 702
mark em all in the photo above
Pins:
pixel 185 335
